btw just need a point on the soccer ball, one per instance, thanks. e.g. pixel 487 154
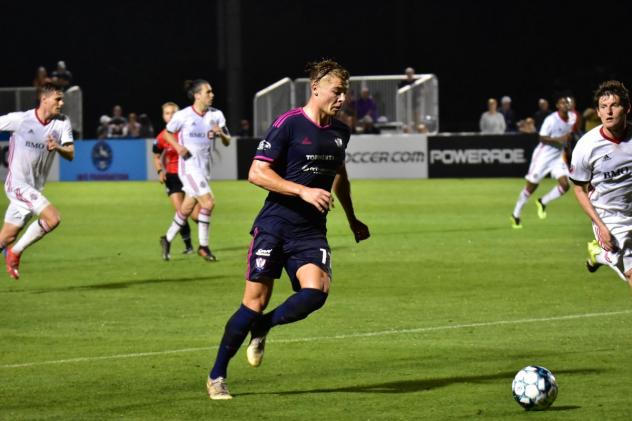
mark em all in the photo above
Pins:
pixel 534 388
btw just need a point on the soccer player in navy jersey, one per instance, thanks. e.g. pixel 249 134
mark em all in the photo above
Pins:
pixel 297 162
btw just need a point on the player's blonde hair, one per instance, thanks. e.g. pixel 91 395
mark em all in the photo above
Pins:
pixel 324 68
pixel 170 104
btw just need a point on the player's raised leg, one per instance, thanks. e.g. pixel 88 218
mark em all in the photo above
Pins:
pixel 49 219
pixel 555 193
pixel 313 292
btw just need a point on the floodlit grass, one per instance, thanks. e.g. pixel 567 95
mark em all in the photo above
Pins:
pixel 429 319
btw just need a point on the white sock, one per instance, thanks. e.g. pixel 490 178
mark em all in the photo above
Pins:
pixel 204 225
pixel 522 199
pixel 33 233
pixel 176 225
pixel 555 193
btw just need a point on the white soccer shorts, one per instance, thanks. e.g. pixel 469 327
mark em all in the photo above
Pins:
pixel 24 201
pixel 194 183
pixel 621 229
pixel 546 160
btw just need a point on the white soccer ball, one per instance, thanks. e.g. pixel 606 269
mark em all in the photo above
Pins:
pixel 534 388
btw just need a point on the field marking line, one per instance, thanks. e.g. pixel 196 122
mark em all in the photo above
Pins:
pixel 333 337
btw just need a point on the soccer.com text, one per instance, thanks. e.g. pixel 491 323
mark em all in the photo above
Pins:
pixel 377 157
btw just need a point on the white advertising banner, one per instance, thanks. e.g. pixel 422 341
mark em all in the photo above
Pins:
pixel 388 156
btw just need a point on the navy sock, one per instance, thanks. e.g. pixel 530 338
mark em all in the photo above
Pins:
pixel 185 232
pixel 236 330
pixel 295 308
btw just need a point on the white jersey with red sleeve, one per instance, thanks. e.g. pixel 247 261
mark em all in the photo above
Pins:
pixel 196 134
pixel 605 163
pixel 29 157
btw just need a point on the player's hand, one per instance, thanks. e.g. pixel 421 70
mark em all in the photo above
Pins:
pixel 318 197
pixel 360 230
pixel 162 177
pixel 183 152
pixel 51 143
pixel 606 240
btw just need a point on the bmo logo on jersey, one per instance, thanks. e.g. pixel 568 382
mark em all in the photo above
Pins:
pixel 34 145
pixel 616 173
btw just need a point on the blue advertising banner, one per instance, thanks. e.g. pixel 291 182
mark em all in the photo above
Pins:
pixel 111 160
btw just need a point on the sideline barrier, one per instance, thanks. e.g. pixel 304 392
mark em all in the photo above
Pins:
pixel 386 156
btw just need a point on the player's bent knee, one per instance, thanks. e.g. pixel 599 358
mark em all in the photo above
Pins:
pixel 313 299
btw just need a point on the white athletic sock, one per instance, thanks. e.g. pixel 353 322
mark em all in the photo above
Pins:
pixel 33 233
pixel 555 193
pixel 522 199
pixel 204 225
pixel 176 225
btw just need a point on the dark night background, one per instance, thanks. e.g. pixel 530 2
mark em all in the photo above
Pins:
pixel 139 54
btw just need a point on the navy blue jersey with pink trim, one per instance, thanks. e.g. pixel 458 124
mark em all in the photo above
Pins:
pixel 301 151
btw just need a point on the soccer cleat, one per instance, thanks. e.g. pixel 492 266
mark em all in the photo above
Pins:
pixel 206 254
pixel 166 248
pixel 218 389
pixel 593 250
pixel 13 264
pixel 541 208
pixel 188 250
pixel 254 352
pixel 515 222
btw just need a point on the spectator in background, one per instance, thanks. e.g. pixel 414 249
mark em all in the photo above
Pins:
pixel 365 105
pixel 244 128
pixel 367 125
pixel 527 125
pixel 62 76
pixel 410 78
pixel 104 123
pixel 492 122
pixel 542 113
pixel 133 126
pixel 577 128
pixel 117 127
pixel 41 78
pixel 146 128
pixel 508 114
pixel 591 119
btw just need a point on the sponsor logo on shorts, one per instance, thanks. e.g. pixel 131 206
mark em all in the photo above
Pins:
pixel 606 157
pixel 338 142
pixel 34 196
pixel 264 145
pixel 202 184
pixel 260 263
pixel 263 252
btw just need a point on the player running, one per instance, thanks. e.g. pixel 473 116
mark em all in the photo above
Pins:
pixel 166 165
pixel 37 134
pixel 548 158
pixel 197 127
pixel 601 170
pixel 297 162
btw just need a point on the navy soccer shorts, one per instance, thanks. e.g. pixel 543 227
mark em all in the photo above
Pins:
pixel 269 254
pixel 173 184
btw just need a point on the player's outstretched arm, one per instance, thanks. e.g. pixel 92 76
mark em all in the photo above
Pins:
pixel 263 175
pixel 605 237
pixel 342 188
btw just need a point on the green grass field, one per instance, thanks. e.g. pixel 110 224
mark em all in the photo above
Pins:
pixel 429 319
